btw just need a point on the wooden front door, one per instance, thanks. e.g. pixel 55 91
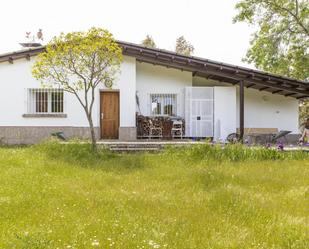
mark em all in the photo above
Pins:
pixel 109 115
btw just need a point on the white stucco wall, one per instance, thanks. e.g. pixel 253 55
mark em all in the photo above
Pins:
pixel 262 110
pixel 16 78
pixel 199 81
pixel 266 110
pixel 126 84
pixel 156 79
pixel 224 112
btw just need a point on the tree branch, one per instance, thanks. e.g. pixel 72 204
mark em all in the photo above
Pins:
pixel 92 67
pixel 72 61
pixel 71 89
pixel 296 7
pixel 294 15
pixel 92 99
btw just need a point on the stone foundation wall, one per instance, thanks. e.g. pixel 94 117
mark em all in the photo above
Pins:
pixel 290 139
pixel 32 134
pixel 127 133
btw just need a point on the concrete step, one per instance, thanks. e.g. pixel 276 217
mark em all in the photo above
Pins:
pixel 134 147
pixel 119 149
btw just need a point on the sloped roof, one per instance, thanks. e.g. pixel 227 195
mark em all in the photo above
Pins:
pixel 201 67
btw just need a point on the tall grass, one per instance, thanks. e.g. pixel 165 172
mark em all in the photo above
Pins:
pixel 56 195
pixel 233 153
pixel 75 151
pixel 82 152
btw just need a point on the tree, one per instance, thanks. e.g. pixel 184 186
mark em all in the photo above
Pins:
pixel 78 63
pixel 148 42
pixel 183 46
pixel 281 43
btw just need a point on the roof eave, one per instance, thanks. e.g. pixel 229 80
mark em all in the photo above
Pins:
pixel 199 67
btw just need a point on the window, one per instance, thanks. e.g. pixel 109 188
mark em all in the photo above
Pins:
pixel 163 104
pixel 45 101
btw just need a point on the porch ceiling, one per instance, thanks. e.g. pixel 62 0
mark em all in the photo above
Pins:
pixel 220 71
pixel 200 67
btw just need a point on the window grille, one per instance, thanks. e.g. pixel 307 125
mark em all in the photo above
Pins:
pixel 45 101
pixel 163 104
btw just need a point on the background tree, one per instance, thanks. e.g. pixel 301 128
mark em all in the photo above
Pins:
pixel 281 43
pixel 149 42
pixel 183 46
pixel 78 63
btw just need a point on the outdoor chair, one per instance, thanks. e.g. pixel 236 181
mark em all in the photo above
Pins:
pixel 177 129
pixel 154 131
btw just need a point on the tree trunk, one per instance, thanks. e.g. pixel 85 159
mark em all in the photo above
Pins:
pixel 93 138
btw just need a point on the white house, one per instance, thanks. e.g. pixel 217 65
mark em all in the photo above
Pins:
pixel 214 99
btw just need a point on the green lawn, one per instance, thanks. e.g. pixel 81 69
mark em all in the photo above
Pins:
pixel 63 196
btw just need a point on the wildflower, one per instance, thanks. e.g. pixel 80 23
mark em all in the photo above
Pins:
pixel 153 244
pixel 95 243
pixel 280 146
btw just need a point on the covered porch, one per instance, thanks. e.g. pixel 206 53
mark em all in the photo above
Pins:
pixel 246 83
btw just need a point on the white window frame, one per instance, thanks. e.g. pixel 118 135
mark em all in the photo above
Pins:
pixel 165 98
pixel 33 103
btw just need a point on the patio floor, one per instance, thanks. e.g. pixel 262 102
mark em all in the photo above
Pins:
pixel 156 144
pixel 152 141
pixel 145 144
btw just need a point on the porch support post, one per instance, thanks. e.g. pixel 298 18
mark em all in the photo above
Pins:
pixel 241 110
